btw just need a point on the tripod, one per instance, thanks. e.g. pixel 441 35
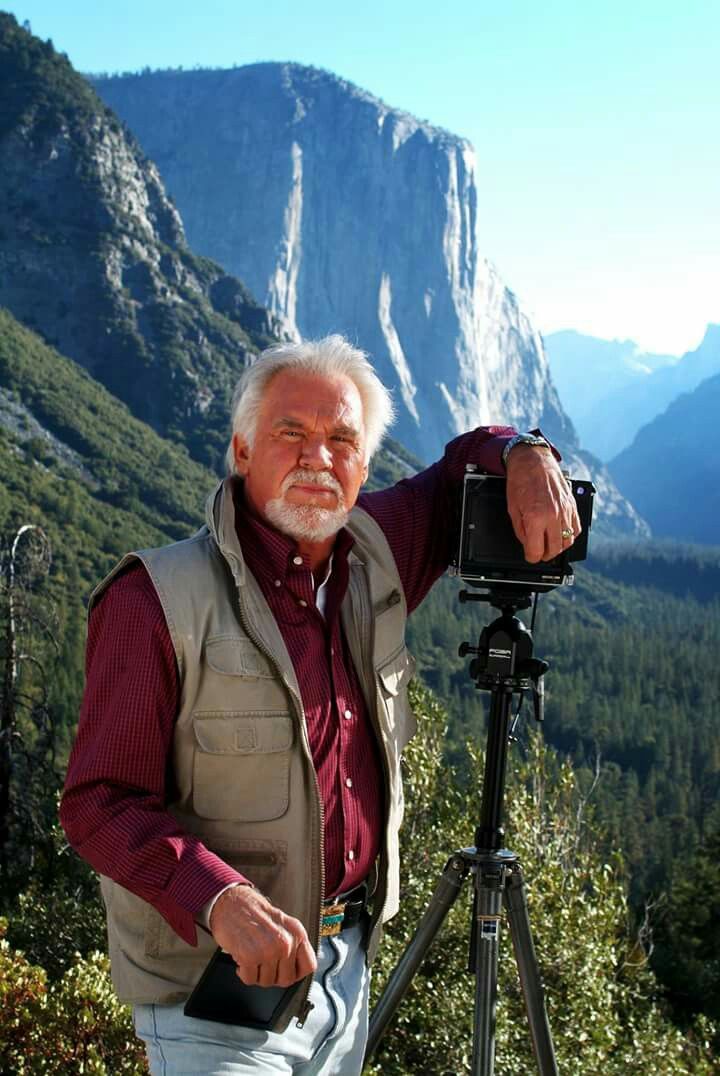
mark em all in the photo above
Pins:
pixel 503 665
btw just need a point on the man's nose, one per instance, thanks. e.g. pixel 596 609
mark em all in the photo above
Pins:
pixel 315 454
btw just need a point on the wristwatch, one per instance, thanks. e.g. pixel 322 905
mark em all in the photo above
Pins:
pixel 534 439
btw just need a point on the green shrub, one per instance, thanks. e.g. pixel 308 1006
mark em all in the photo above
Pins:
pixel 73 1026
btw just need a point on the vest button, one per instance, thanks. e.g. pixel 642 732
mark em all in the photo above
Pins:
pixel 297 560
pixel 348 714
pixel 348 782
pixel 351 854
pixel 303 603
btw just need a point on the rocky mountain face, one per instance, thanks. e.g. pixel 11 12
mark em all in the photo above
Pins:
pixel 670 471
pixel 612 388
pixel 93 254
pixel 342 214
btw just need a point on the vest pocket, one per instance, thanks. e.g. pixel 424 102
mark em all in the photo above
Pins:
pixel 241 766
pixel 395 674
pixel 235 655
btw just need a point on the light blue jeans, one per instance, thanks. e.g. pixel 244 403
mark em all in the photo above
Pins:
pixel 332 1042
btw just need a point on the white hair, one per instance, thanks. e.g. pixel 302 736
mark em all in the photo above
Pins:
pixel 332 356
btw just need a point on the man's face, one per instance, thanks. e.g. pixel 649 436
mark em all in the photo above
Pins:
pixel 305 468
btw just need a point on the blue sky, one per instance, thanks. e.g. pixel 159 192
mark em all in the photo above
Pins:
pixel 595 126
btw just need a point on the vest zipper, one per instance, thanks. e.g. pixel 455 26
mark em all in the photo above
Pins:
pixel 365 650
pixel 305 1005
pixel 305 1011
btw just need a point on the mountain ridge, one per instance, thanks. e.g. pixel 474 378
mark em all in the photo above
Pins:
pixel 671 468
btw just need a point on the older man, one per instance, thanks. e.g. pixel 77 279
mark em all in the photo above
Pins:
pixel 237 757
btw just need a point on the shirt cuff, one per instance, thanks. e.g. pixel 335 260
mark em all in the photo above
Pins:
pixel 203 916
pixel 194 885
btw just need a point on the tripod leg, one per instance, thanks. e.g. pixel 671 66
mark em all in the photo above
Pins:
pixel 519 921
pixel 442 900
pixel 487 907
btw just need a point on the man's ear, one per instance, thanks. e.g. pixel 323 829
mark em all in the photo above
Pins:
pixel 241 454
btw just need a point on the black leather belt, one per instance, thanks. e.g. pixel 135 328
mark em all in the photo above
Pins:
pixel 343 911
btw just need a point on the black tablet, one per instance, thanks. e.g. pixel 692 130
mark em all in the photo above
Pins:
pixel 221 996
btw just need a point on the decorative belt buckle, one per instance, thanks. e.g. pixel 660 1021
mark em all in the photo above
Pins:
pixel 332 919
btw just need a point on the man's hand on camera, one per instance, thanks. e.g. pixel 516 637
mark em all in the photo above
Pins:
pixel 269 947
pixel 540 503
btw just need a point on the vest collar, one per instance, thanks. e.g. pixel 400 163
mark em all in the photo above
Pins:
pixel 220 520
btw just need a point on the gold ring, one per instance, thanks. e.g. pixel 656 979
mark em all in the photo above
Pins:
pixel 566 533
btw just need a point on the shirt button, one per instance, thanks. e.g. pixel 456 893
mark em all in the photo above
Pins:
pixel 278 582
pixel 351 854
pixel 297 560
pixel 348 782
pixel 348 714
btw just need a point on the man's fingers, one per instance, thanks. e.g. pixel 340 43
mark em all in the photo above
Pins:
pixel 532 534
pixel 248 973
pixel 521 532
pixel 268 974
pixel 286 972
pixel 305 959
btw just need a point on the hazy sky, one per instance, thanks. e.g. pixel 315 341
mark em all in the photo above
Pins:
pixel 595 126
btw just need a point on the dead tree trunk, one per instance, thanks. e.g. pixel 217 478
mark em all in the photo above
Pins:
pixel 24 560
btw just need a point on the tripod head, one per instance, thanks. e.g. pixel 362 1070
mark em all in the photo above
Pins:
pixel 503 665
pixel 504 654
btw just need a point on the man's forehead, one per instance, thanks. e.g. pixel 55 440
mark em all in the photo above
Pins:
pixel 295 395
pixel 340 423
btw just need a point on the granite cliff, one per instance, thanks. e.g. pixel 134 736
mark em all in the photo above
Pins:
pixel 342 214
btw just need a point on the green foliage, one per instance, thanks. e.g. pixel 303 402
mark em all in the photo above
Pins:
pixel 59 913
pixel 129 467
pixel 73 1026
pixel 687 954
pixel 673 567
pixel 601 996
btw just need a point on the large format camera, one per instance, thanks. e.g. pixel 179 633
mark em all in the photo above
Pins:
pixel 489 554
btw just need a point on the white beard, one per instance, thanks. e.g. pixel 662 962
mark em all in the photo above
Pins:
pixel 308 521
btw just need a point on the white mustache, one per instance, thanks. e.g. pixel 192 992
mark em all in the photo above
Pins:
pixel 312 478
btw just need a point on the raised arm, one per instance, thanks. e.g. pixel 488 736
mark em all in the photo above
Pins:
pixel 418 518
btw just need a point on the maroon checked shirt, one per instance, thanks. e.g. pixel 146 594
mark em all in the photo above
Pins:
pixel 119 778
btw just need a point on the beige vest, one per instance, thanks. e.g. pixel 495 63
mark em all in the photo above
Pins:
pixel 244 781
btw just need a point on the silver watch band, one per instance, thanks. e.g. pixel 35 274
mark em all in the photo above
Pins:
pixel 523 439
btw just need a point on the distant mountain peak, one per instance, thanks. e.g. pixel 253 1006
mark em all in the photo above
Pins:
pixel 612 388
